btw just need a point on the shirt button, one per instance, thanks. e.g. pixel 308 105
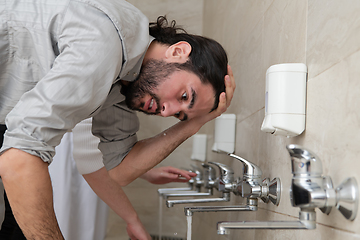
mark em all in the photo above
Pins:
pixel 135 74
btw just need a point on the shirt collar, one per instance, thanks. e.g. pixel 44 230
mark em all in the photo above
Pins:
pixel 133 74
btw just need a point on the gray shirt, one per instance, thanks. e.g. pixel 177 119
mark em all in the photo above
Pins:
pixel 60 63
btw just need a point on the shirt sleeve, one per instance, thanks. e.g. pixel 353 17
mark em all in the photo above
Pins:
pixel 116 126
pixel 90 58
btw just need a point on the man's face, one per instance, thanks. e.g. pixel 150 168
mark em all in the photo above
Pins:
pixel 163 89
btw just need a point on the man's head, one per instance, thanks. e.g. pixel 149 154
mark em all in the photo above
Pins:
pixel 196 82
pixel 170 89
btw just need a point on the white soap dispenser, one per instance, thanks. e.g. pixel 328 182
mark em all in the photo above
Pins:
pixel 199 147
pixel 224 135
pixel 285 99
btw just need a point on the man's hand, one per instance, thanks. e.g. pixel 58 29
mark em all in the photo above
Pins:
pixel 113 195
pixel 163 175
pixel 224 100
pixel 136 231
pixel 230 86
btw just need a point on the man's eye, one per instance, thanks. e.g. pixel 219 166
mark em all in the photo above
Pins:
pixel 184 96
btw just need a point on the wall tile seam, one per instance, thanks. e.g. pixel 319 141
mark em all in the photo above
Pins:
pixel 323 71
pixel 280 213
pixel 269 7
pixel 249 116
pixel 322 224
pixel 336 63
pixel 338 229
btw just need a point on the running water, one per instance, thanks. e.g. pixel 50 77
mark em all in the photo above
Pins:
pixel 160 217
pixel 189 220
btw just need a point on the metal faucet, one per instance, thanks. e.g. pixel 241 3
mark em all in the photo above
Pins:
pixel 250 187
pixel 206 180
pixel 312 190
pixel 221 183
pixel 309 190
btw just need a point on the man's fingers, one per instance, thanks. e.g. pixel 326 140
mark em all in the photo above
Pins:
pixel 230 86
pixel 181 173
pixel 222 103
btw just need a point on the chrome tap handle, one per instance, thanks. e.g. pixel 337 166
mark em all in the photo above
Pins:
pixel 304 162
pixel 209 175
pixel 198 172
pixel 226 178
pixel 226 172
pixel 192 180
pixel 250 169
pixel 198 179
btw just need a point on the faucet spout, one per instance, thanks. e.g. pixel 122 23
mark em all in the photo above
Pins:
pixel 225 198
pixel 189 211
pixel 188 194
pixel 307 220
pixel 224 227
pixel 164 191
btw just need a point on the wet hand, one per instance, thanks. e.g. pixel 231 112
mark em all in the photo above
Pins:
pixel 163 175
pixel 137 231
pixel 224 99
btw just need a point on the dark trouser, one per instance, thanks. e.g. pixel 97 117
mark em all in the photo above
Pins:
pixel 10 230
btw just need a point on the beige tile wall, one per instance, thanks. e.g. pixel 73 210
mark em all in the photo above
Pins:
pixel 187 13
pixel 325 35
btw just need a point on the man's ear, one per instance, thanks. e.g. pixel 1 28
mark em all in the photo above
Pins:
pixel 178 52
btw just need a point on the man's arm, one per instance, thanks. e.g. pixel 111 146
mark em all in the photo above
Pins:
pixel 149 152
pixel 27 183
pixel 112 194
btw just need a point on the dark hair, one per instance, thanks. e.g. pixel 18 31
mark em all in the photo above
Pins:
pixel 208 58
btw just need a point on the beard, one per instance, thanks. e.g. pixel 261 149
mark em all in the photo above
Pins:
pixel 152 73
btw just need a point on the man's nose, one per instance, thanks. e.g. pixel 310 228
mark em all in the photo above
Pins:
pixel 171 108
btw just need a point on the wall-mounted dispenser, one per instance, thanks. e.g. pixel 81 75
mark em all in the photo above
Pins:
pixel 285 99
pixel 199 147
pixel 224 136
